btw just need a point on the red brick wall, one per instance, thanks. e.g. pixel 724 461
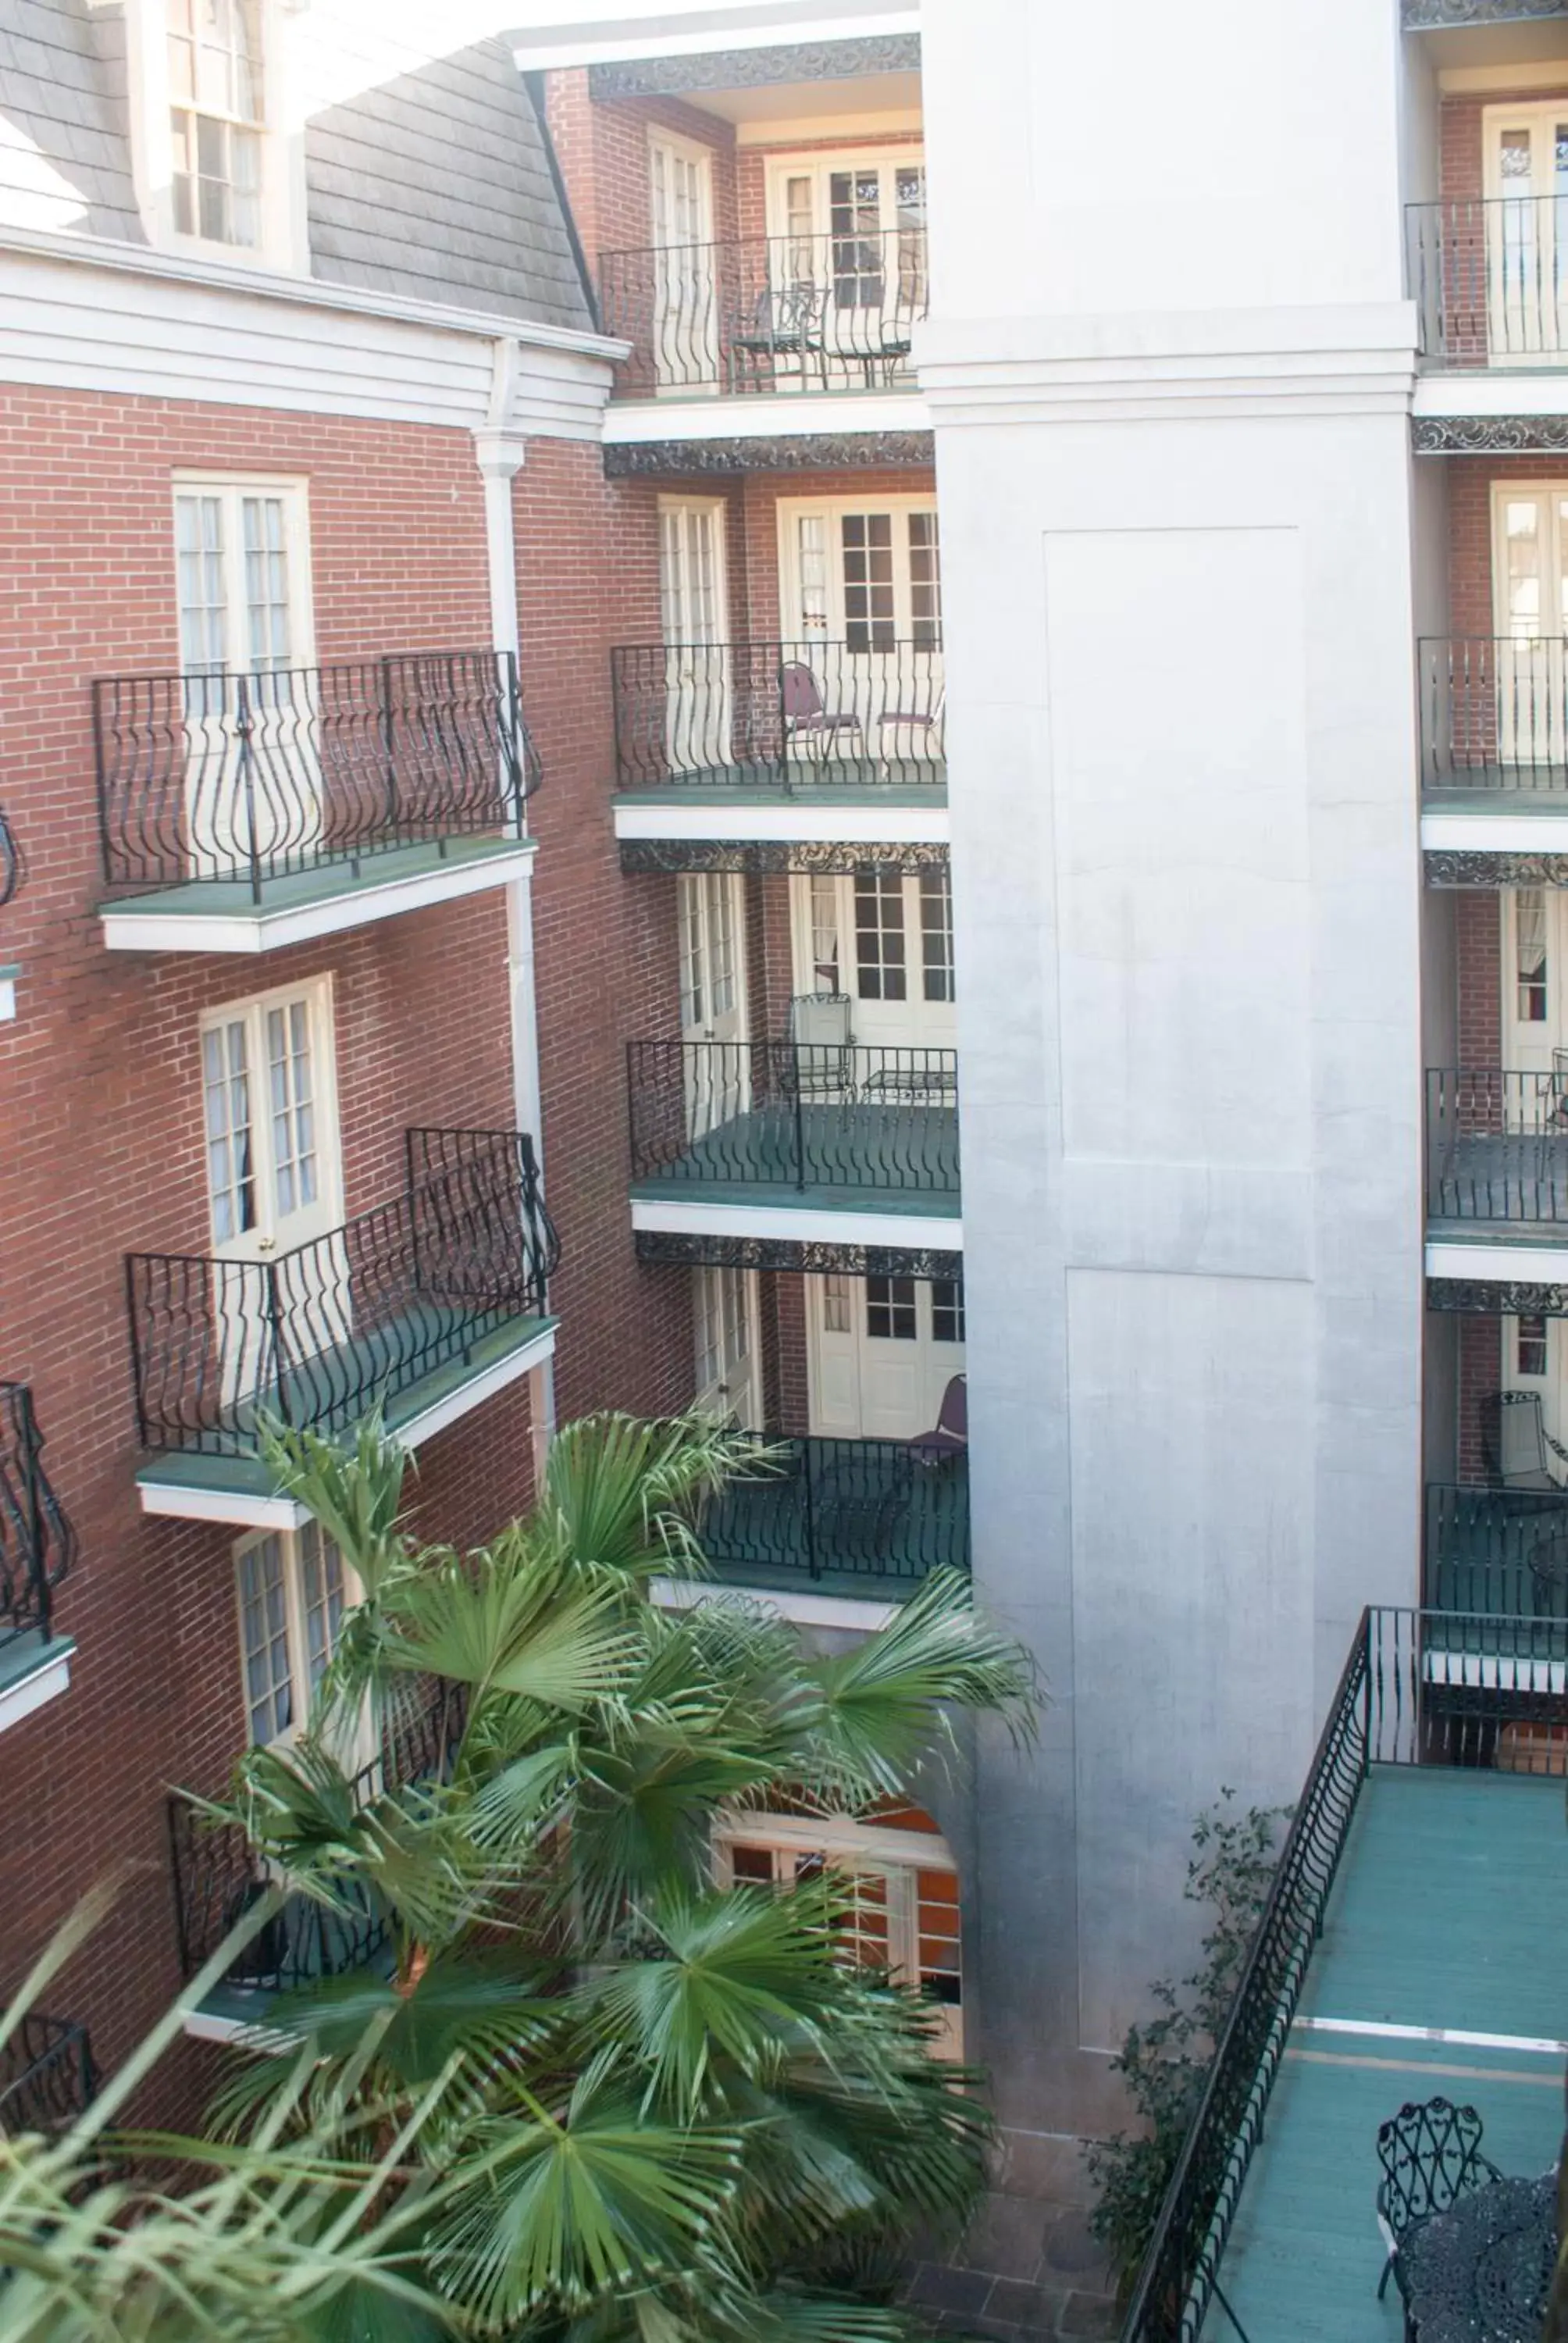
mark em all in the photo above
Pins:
pixel 1480 1372
pixel 1462 166
pixel 602 150
pixel 1479 957
pixel 1470 484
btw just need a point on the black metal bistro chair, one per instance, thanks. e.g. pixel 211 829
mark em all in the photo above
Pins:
pixel 1519 1448
pixel 1431 2157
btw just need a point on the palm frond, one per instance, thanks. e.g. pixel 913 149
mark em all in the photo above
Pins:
pixel 624 1494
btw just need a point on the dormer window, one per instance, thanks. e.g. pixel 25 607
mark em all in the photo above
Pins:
pixel 216 119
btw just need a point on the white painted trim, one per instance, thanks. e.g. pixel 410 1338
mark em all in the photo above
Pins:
pixel 9 994
pixel 470 1395
pixel 46 1682
pixel 780 415
pixel 1500 1263
pixel 262 931
pixel 892 122
pixel 1493 833
pixel 843 825
pixel 1544 74
pixel 1534 2044
pixel 1528 390
pixel 929 1850
pixel 804 1225
pixel 549 43
pixel 168 1501
pixel 818 161
pixel 804 1610
pixel 203 2026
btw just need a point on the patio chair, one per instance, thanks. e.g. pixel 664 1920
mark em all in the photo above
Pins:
pixel 920 728
pixel 948 1437
pixel 786 323
pixel 822 1054
pixel 808 719
pixel 1517 1441
pixel 1431 2157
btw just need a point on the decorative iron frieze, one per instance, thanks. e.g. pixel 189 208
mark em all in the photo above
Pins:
pixel 1430 16
pixel 1490 435
pixel 1500 1298
pixel 756 68
pixel 1473 867
pixel 668 1249
pixel 787 451
pixel 765 856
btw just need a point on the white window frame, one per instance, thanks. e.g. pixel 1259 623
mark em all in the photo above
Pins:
pixel 819 164
pixel 284 242
pixel 689 150
pixel 318 993
pixel 790 509
pixel 294 492
pixel 291 1549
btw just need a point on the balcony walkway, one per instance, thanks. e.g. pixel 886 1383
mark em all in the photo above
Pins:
pixel 843 1157
pixel 847 1517
pixel 1449 1911
pixel 1502 1178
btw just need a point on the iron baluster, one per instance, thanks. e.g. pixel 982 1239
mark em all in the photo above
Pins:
pixel 388 747
pixel 244 729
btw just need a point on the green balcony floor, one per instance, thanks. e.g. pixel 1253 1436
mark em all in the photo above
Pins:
pixel 1497 792
pixel 1451 1910
pixel 366 1367
pixel 324 883
pixel 847 1158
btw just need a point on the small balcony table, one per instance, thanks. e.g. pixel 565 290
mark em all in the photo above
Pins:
pixel 1480 2272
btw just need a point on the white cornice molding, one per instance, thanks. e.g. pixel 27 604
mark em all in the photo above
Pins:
pixel 1156 368
pixel 763 415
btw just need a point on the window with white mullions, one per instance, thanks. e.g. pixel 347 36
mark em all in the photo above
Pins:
pixel 215 118
pixel 225 1096
pixel 267 1180
pixel 925 581
pixel 291 1079
pixel 891 1309
pixel 947 1310
pixel 1531 1347
pixel 880 967
pixel 292 1589
pixel 937 934
pixel 870 613
pixel 1530 941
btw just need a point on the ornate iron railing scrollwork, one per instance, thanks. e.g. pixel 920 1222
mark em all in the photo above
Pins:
pixel 38 1543
pixel 46 2074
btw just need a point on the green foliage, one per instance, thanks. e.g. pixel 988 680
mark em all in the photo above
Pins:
pixel 1166 2062
pixel 642 2110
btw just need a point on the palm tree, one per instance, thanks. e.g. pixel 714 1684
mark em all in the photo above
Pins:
pixel 650 2109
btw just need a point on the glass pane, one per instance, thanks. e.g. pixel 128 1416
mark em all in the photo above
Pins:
pixel 811 544
pixel 199 584
pixel 866 541
pixel 1531 1346
pixel 1530 946
pixel 263 1629
pixel 947 1310
pixel 825 933
pixel 879 972
pixel 226 1087
pixel 925 580
pixel 838 1303
pixel 937 934
pixel 1521 535
pixel 321 1597
pixel 890 1309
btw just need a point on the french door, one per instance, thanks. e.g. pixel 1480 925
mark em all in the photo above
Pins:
pixel 685 283
pixel 694 612
pixel 863 580
pixel 274 1184
pixel 1530 589
pixel 724 1312
pixel 903 1912
pixel 1535 1359
pixel 1527 232
pixel 252 768
pixel 879 1353
pixel 853 229
pixel 711 935
pixel 292 1589
pixel 885 938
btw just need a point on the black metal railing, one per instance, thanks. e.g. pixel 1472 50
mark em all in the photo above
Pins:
pixel 38 1543
pixel 794 1114
pixel 10 861
pixel 1419 1687
pixel 242 779
pixel 1493 712
pixel 46 2076
pixel 218 1876
pixel 1489 277
pixel 1497 1145
pixel 862 1509
pixel 321 1334
pixel 778 313
pixel 796 716
pixel 1494 1550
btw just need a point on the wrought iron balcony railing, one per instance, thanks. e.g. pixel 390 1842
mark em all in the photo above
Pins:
pixel 319 1334
pixel 46 2076
pixel 779 313
pixel 241 779
pixel 1496 1145
pixel 794 1114
pixel 1501 1552
pixel 1490 280
pixel 792 716
pixel 218 1876
pixel 1494 713
pixel 861 1509
pixel 1419 1687
pixel 38 1543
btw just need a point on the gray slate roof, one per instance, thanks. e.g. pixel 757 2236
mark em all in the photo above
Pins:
pixel 436 186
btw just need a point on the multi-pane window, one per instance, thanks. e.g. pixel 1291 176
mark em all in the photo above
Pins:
pixel 925 581
pixel 709 973
pixel 230 1161
pixel 937 934
pixel 291 1604
pixel 291 1081
pixel 1529 955
pixel 855 225
pixel 890 1309
pixel 879 969
pixel 871 620
pixel 215 118
pixel 909 202
pixel 947 1310
pixel 238 606
pixel 263 1067
pixel 723 1328
pixel 1530 1353
pixel 812 539
pixel 837 1305
pixel 825 933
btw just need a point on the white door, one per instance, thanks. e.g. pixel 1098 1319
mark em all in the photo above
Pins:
pixel 1535 1359
pixel 685 281
pixel 852 229
pixel 1527 232
pixel 694 614
pixel 253 774
pixel 905 1912
pixel 861 594
pixel 274 1182
pixel 724 1312
pixel 718 1074
pixel 879 1353
pixel 1530 587
pixel 292 1590
pixel 886 938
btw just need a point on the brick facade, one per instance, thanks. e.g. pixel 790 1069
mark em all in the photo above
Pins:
pixel 1479 960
